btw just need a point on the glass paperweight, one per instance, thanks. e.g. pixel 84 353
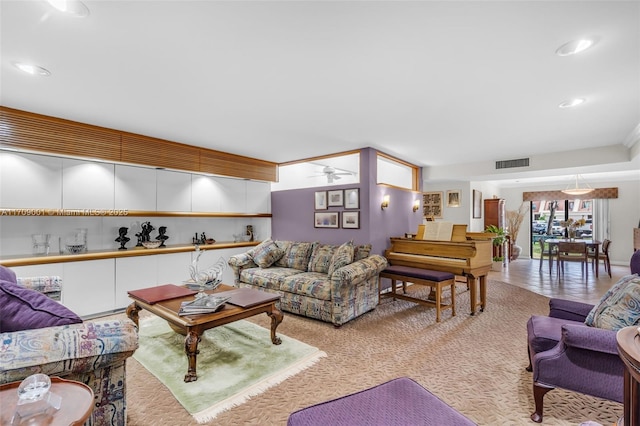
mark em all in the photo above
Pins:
pixel 35 399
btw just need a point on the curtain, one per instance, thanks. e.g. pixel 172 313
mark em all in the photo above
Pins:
pixel 600 219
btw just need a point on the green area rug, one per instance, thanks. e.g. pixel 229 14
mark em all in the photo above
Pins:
pixel 236 361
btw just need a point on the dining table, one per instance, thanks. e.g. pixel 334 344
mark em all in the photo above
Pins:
pixel 590 245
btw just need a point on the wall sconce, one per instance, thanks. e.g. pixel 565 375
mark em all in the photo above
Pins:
pixel 416 205
pixel 385 202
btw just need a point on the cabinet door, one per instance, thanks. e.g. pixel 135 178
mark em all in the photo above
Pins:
pixel 88 287
pixel 30 181
pixel 173 268
pixel 258 197
pixel 135 188
pixel 87 185
pixel 133 273
pixel 206 194
pixel 174 191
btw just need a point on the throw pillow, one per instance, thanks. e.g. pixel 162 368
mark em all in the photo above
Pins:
pixel 619 307
pixel 26 309
pixel 614 289
pixel 361 252
pixel 266 253
pixel 321 257
pixel 342 257
pixel 7 274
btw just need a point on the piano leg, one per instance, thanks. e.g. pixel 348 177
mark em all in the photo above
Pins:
pixel 471 282
pixel 473 292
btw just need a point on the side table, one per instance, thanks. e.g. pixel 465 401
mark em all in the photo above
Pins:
pixel 76 407
pixel 629 350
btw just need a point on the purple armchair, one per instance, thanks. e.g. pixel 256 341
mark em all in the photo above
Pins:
pixel 566 353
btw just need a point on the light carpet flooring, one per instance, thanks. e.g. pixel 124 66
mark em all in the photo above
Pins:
pixel 474 363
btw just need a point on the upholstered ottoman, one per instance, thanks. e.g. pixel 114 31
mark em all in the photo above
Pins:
pixel 400 401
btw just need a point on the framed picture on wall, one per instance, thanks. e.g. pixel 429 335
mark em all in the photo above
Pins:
pixel 352 198
pixel 326 220
pixel 453 198
pixel 336 198
pixel 321 200
pixel 477 204
pixel 351 220
pixel 432 204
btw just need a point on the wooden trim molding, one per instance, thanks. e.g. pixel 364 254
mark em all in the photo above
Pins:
pixel 22 130
pixel 597 193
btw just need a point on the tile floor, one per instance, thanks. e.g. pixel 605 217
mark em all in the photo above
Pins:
pixel 572 285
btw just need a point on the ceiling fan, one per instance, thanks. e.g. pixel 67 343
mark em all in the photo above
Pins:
pixel 332 174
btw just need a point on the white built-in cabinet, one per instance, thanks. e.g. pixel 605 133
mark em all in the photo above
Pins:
pixel 36 192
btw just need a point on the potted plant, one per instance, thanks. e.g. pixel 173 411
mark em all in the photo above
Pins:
pixel 497 263
pixel 514 219
pixel 498 243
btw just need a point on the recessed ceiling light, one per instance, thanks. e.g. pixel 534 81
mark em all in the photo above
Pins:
pixel 32 69
pixel 573 47
pixel 72 7
pixel 572 102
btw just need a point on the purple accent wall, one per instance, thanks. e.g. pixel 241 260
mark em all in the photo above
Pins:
pixel 293 210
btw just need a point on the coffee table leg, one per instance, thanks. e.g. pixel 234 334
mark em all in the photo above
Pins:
pixel 191 349
pixel 276 319
pixel 132 313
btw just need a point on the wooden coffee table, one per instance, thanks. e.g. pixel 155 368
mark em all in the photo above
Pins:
pixel 192 326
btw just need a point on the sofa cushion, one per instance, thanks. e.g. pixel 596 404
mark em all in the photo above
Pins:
pixel 321 257
pixel 312 284
pixel 270 278
pixel 25 309
pixel 361 252
pixel 342 257
pixel 296 256
pixel 266 253
pixel 619 307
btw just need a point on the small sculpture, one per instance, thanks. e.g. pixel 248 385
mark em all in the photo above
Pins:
pixel 146 231
pixel 122 237
pixel 250 232
pixel 161 236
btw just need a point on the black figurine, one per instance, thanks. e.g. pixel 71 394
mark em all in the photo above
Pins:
pixel 122 237
pixel 146 231
pixel 162 237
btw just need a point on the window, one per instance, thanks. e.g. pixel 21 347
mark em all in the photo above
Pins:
pixel 396 173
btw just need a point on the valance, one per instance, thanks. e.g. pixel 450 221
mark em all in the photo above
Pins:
pixel 559 195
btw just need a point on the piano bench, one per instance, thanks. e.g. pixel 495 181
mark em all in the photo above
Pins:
pixel 437 280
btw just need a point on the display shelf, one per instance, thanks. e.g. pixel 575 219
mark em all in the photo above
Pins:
pixel 23 260
pixel 49 212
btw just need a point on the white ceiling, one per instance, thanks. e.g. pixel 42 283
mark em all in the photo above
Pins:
pixel 431 82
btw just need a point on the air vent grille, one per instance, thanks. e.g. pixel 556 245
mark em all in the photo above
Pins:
pixel 508 164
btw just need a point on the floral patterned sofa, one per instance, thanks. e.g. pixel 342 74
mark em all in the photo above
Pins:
pixel 91 352
pixel 322 281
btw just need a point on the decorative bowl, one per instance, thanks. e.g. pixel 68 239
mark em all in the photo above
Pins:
pixel 76 248
pixel 151 244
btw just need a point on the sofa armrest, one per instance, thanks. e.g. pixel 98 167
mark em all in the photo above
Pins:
pixel 241 261
pixel 66 349
pixel 569 309
pixel 49 285
pixel 358 271
pixel 590 338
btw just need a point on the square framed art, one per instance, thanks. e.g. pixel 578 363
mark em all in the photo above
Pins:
pixel 351 220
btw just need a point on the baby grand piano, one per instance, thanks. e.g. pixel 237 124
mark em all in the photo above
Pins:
pixel 467 254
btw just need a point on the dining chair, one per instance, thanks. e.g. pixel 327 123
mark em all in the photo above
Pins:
pixel 603 255
pixel 572 252
pixel 549 252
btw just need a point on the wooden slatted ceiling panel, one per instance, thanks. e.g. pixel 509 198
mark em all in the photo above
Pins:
pixel 222 163
pixel 28 131
pixel 140 149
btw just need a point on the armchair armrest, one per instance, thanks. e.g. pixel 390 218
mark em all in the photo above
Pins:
pixel 590 338
pixel 568 309
pixel 66 349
